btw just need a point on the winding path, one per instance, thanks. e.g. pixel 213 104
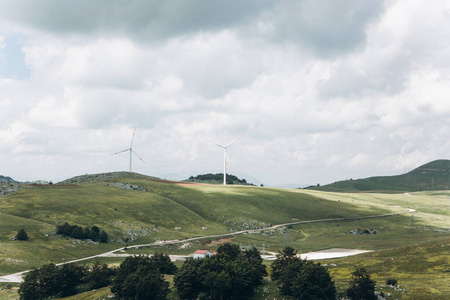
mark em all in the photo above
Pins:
pixel 17 277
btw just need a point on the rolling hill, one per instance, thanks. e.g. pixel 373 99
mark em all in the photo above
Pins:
pixel 431 176
pixel 6 179
pixel 136 209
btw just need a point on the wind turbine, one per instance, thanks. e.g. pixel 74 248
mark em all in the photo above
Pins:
pixel 131 151
pixel 225 164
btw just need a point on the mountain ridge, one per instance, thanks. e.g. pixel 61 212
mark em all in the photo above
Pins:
pixel 434 175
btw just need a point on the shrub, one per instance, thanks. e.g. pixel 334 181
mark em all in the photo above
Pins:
pixel 22 235
pixel 391 281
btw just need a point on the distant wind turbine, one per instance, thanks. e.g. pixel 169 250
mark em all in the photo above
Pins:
pixel 131 151
pixel 225 163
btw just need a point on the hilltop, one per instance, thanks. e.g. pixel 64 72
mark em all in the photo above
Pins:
pixel 217 179
pixel 90 178
pixel 434 175
pixel 6 179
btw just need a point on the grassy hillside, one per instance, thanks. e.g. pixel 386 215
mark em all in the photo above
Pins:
pixel 431 176
pixel 137 216
pixel 140 209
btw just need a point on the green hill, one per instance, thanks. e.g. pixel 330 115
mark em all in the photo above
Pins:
pixel 135 209
pixel 142 209
pixel 431 176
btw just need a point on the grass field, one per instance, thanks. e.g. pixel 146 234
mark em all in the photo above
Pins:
pixel 136 217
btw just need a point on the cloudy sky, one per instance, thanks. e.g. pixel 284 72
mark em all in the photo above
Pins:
pixel 320 90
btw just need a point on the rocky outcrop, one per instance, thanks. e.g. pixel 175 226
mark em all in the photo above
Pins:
pixel 127 186
pixel 11 188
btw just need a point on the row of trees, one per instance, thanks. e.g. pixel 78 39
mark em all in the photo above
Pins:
pixel 231 179
pixel 231 274
pixel 78 232
pixel 51 280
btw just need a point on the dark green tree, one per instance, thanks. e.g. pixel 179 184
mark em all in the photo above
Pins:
pixel 302 279
pixel 361 286
pixel 41 281
pixel 231 274
pixel 313 281
pixel 163 263
pixel 94 234
pixel 77 232
pixel 103 237
pixel 22 235
pixel 188 279
pixel 282 261
pixel 134 275
pixel 229 251
pixel 69 276
pixel 30 288
pixel 151 285
pixel 99 276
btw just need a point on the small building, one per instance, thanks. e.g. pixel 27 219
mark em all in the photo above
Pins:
pixel 202 254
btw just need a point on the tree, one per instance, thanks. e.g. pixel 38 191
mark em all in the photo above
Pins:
pixel 99 276
pixel 229 251
pixel 361 286
pixel 313 281
pixel 282 261
pixel 301 279
pixel 39 283
pixel 30 288
pixel 103 237
pixel 22 235
pixel 231 274
pixel 69 276
pixel 188 279
pixel 94 234
pixel 163 263
pixel 139 278
pixel 151 285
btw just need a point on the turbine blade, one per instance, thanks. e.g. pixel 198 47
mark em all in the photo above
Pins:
pixel 233 141
pixel 121 151
pixel 138 156
pixel 131 146
pixel 216 144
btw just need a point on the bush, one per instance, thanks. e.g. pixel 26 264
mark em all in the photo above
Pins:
pixel 22 235
pixel 391 281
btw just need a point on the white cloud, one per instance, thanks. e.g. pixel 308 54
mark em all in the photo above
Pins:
pixel 321 91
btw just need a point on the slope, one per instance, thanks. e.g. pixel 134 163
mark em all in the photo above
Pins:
pixel 431 176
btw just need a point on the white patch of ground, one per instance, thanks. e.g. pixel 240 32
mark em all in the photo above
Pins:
pixel 322 254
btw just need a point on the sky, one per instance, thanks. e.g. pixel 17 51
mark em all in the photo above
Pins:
pixel 317 90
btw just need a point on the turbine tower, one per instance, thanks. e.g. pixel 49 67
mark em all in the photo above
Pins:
pixel 131 151
pixel 225 157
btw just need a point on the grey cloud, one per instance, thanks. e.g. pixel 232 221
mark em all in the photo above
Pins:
pixel 144 19
pixel 327 27
pixel 355 81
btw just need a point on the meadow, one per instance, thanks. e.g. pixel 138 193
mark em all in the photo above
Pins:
pixel 401 245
